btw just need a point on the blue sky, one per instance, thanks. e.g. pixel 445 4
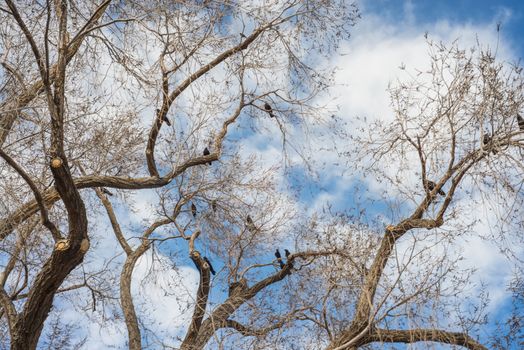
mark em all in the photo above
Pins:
pixel 423 12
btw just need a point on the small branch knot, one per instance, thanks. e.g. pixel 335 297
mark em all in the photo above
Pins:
pixel 84 246
pixel 62 245
pixel 56 162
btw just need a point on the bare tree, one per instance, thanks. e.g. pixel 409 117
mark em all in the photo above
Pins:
pixel 88 88
pixel 438 166
pixel 149 106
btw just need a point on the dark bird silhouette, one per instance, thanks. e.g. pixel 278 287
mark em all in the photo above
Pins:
pixel 250 224
pixel 287 253
pixel 164 118
pixel 431 186
pixel 214 205
pixel 520 121
pixel 211 269
pixel 486 141
pixel 193 210
pixel 486 138
pixel 206 153
pixel 106 191
pixel 268 109
pixel 279 259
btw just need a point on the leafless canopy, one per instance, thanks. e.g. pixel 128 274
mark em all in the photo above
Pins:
pixel 127 134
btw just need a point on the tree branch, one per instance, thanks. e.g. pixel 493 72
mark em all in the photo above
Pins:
pixel 14 105
pixel 202 296
pixel 38 196
pixel 425 335
pixel 155 129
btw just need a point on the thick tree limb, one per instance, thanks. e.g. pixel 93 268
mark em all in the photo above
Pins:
pixel 363 315
pixel 425 335
pixel 64 258
pixel 219 316
pixel 51 195
pixel 247 331
pixel 202 296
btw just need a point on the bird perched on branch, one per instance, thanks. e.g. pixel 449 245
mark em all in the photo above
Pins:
pixel 250 224
pixel 287 253
pixel 487 142
pixel 164 118
pixel 206 153
pixel 193 210
pixel 214 205
pixel 520 121
pixel 430 186
pixel 268 109
pixel 486 139
pixel 211 269
pixel 279 259
pixel 105 191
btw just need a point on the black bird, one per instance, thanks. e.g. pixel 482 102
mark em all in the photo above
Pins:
pixel 431 186
pixel 206 153
pixel 486 140
pixel 520 121
pixel 193 210
pixel 106 191
pixel 250 224
pixel 279 259
pixel 214 205
pixel 164 118
pixel 287 257
pixel 211 269
pixel 268 109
